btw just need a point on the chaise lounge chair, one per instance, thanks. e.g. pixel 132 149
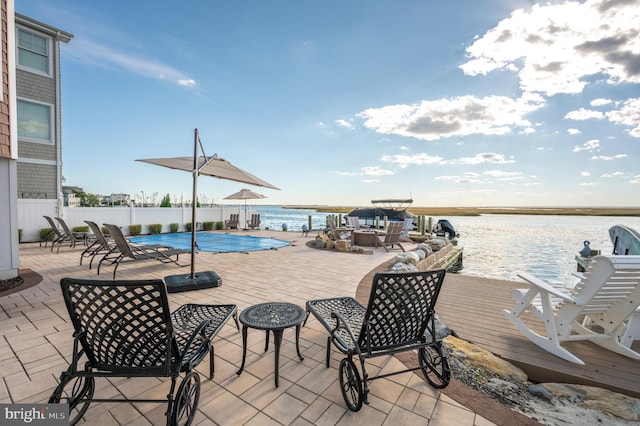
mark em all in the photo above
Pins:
pixel 254 222
pixel 600 308
pixel 399 317
pixel 232 223
pixel 101 244
pixel 124 329
pixel 124 251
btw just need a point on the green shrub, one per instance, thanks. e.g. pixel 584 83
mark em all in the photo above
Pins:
pixel 207 226
pixel 19 235
pixel 105 230
pixel 155 228
pixel 45 234
pixel 187 226
pixel 135 230
pixel 219 225
pixel 80 229
pixel 173 227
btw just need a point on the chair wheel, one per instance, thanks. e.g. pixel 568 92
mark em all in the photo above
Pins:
pixel 186 402
pixel 351 384
pixel 75 391
pixel 435 365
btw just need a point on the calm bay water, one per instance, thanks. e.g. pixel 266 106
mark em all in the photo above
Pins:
pixel 500 246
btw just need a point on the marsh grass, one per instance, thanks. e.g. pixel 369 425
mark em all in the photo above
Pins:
pixel 477 211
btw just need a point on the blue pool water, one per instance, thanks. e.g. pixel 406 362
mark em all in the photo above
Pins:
pixel 218 243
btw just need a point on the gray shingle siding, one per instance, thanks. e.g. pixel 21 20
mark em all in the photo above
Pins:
pixel 36 181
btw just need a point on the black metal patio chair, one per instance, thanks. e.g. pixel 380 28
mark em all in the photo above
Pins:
pixel 125 329
pixel 400 317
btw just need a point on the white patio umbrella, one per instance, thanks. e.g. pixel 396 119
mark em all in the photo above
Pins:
pixel 209 166
pixel 245 194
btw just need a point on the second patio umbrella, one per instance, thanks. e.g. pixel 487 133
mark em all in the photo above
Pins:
pixel 245 194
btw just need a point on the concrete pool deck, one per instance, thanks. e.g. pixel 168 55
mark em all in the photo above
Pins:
pixel 37 341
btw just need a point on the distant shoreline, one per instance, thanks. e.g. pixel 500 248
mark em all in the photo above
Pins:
pixel 477 211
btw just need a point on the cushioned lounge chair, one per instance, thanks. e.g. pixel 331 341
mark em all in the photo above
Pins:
pixel 399 317
pixel 124 251
pixel 124 329
pixel 600 308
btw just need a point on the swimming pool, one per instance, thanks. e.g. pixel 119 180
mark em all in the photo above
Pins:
pixel 212 242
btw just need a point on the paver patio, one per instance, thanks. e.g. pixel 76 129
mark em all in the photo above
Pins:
pixel 37 342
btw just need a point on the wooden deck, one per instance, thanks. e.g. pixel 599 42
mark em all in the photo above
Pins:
pixel 472 308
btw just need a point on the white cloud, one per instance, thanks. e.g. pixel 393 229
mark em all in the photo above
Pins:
pixel 556 48
pixel 588 184
pixel 442 118
pixel 375 171
pixel 573 131
pixel 484 157
pixel 87 51
pixel 345 124
pixel 501 175
pixel 584 114
pixel 610 175
pixel 592 145
pixel 585 174
pixel 417 159
pixel 189 82
pixel 603 157
pixel 600 102
pixel 635 179
pixel 628 114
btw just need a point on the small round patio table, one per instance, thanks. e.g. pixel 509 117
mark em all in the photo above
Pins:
pixel 275 317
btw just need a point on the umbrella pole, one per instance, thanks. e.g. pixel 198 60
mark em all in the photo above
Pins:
pixel 192 275
pixel 193 281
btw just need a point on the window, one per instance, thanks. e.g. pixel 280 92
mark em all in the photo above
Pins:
pixel 34 122
pixel 33 52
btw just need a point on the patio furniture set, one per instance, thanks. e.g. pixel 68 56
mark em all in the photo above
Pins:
pixel 125 329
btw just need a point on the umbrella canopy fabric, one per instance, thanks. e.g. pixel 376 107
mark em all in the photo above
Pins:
pixel 244 194
pixel 212 166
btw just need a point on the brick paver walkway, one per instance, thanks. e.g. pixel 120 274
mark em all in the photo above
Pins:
pixel 36 342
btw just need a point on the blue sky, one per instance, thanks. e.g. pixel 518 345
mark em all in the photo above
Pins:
pixel 465 103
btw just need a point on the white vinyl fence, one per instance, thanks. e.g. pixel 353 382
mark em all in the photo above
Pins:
pixel 31 212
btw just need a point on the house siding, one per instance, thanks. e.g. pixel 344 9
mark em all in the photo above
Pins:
pixel 5 133
pixel 39 167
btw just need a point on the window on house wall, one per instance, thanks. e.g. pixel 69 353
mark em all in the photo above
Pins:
pixel 34 122
pixel 33 52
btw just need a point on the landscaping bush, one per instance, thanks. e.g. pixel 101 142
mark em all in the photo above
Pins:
pixel 219 225
pixel 80 229
pixel 19 234
pixel 135 230
pixel 105 230
pixel 173 227
pixel 155 228
pixel 187 226
pixel 207 226
pixel 45 234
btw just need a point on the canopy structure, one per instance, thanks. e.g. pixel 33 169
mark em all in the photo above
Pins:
pixel 245 194
pixel 209 166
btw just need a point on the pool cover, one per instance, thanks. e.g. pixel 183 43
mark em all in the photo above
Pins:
pixel 212 242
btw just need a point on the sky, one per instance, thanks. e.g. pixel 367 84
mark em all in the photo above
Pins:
pixel 469 103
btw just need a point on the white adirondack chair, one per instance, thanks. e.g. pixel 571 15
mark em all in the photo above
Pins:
pixel 601 308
